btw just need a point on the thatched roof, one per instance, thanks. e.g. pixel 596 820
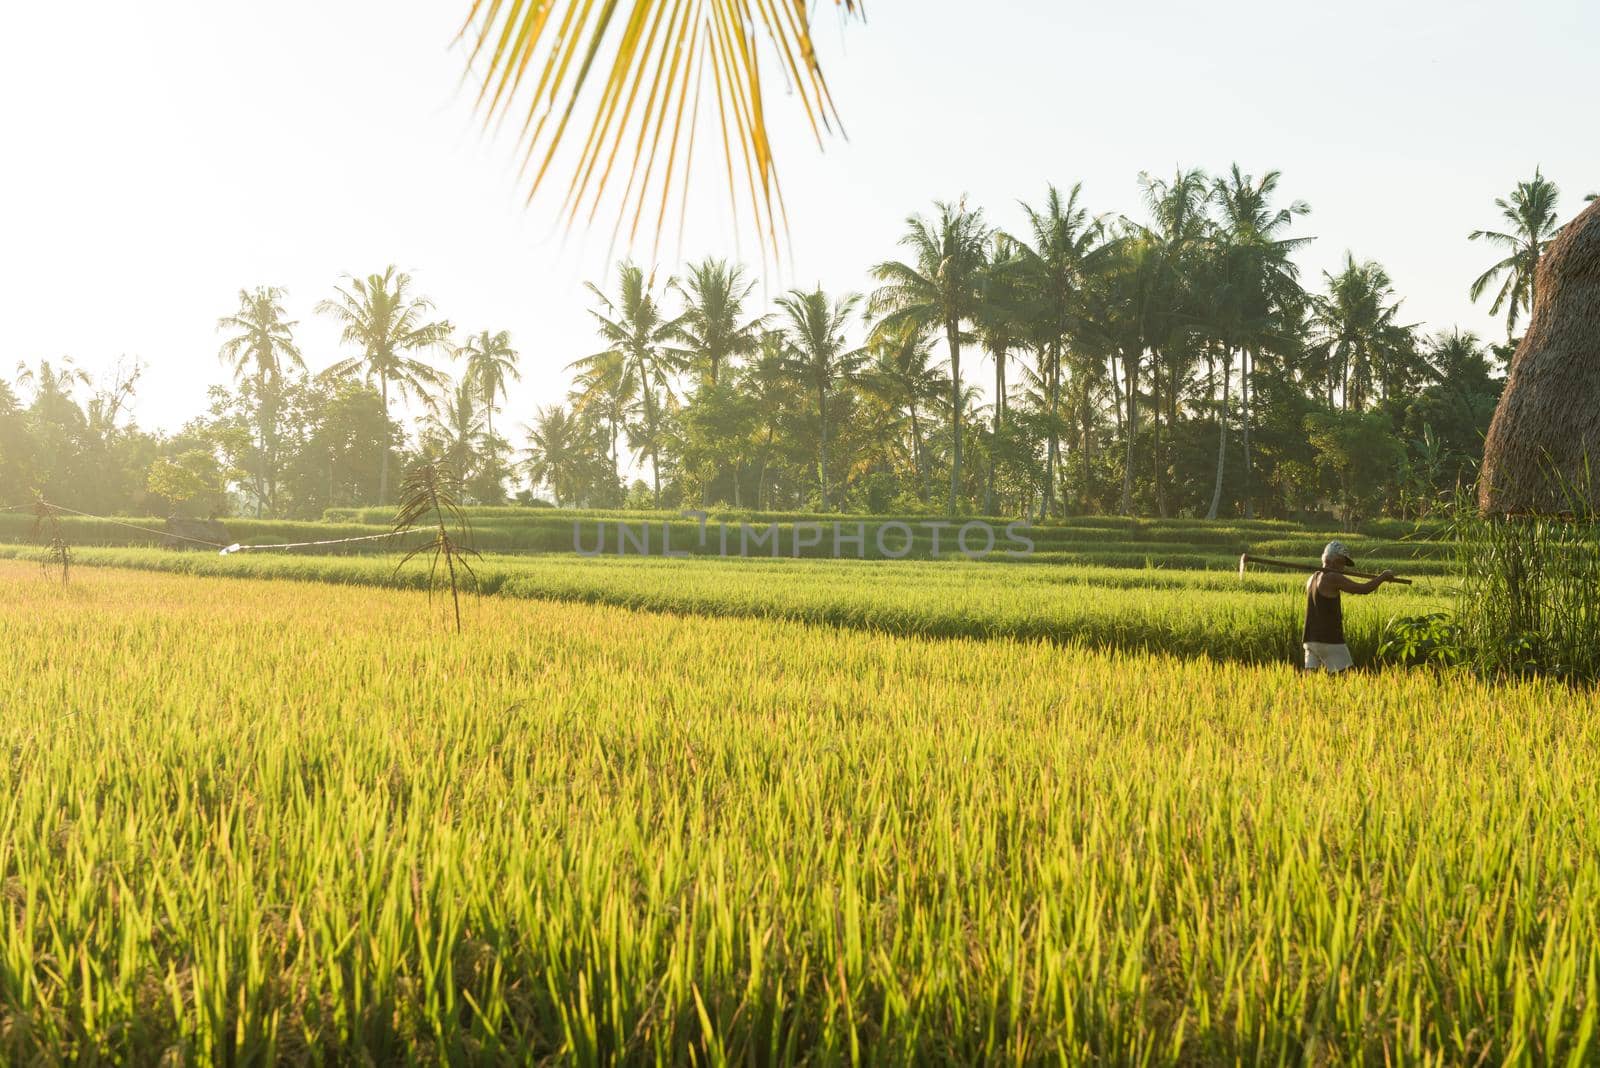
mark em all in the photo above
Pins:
pixel 1546 431
pixel 202 530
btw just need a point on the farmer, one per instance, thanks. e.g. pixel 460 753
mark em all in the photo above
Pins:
pixel 1324 632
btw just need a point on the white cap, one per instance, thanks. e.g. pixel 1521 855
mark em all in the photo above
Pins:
pixel 1335 549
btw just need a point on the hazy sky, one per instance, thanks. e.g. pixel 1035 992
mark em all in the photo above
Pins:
pixel 158 157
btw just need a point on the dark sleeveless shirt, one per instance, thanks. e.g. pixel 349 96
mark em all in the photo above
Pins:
pixel 1324 617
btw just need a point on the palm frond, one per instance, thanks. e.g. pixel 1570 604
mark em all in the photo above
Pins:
pixel 537 58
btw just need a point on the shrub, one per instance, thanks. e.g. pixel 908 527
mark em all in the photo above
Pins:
pixel 1433 639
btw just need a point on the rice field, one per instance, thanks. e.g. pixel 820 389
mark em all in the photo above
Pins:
pixel 770 812
pixel 1155 544
pixel 1198 613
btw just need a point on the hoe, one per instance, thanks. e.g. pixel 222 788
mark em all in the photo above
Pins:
pixel 1246 558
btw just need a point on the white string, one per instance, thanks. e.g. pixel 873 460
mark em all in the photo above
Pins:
pixel 237 548
pixel 135 526
pixel 225 549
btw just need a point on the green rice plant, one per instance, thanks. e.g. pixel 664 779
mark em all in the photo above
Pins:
pixel 1166 544
pixel 1191 613
pixel 258 821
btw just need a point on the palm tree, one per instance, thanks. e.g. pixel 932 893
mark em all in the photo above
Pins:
pixel 636 329
pixel 260 347
pixel 263 343
pixel 712 328
pixel 1125 286
pixel 1357 330
pixel 605 390
pixel 1180 225
pixel 1455 360
pixel 1001 321
pixel 939 289
pixel 1063 251
pixel 1531 214
pixel 381 317
pixel 455 428
pixel 1251 280
pixel 902 371
pixel 558 452
pixel 491 366
pixel 767 382
pixel 50 385
pixel 815 328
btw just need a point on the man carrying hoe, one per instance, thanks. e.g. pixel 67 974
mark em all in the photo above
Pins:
pixel 1324 631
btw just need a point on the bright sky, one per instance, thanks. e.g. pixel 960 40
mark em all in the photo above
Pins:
pixel 159 157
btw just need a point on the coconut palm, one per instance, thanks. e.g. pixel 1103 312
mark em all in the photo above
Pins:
pixel 491 367
pixel 815 326
pixel 1002 323
pixel 605 391
pixel 380 316
pixel 262 343
pixel 1180 225
pixel 938 288
pixel 259 348
pixel 659 53
pixel 1124 288
pixel 713 324
pixel 1062 248
pixel 1357 329
pixel 903 372
pixel 49 384
pixel 1530 213
pixel 636 328
pixel 1250 279
pixel 558 452
pixel 454 428
pixel 714 330
pixel 767 382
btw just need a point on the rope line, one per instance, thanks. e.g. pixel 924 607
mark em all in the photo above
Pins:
pixel 225 550
pixel 135 526
pixel 237 548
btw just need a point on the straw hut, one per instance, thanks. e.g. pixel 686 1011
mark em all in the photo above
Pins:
pixel 1545 437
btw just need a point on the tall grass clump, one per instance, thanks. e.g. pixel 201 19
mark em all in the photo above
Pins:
pixel 1529 595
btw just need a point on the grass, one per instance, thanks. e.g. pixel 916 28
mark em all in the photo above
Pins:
pixel 1528 602
pixel 1193 613
pixel 1093 541
pixel 256 820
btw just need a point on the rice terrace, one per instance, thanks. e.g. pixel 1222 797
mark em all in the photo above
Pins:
pixel 1076 614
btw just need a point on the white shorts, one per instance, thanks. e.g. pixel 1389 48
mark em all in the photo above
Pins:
pixel 1320 656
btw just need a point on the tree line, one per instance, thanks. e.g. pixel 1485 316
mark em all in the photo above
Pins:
pixel 1175 364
